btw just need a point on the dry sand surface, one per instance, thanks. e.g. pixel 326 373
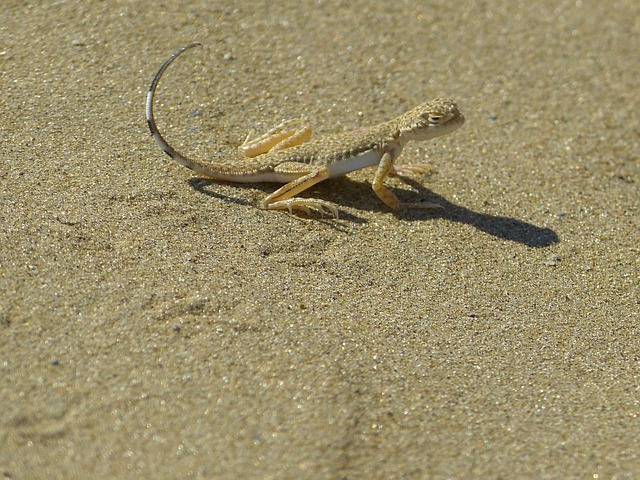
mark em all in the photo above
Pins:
pixel 158 325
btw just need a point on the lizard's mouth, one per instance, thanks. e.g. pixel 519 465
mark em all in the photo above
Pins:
pixel 453 123
pixel 427 130
pixel 458 120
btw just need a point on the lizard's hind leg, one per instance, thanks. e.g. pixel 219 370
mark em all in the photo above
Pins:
pixel 286 135
pixel 307 175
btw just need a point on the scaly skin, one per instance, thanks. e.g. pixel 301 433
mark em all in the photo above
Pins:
pixel 287 154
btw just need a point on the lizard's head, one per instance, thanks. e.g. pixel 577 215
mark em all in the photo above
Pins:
pixel 432 119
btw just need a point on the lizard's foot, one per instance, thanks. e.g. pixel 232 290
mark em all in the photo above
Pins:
pixel 418 168
pixel 306 205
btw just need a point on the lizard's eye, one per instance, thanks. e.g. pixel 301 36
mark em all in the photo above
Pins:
pixel 434 118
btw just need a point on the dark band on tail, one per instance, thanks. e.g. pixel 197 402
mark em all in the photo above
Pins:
pixel 151 122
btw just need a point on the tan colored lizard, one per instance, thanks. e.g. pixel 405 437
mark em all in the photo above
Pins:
pixel 286 154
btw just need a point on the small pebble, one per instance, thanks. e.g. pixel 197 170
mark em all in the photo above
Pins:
pixel 553 261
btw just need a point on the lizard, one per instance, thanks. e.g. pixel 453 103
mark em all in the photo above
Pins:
pixel 287 153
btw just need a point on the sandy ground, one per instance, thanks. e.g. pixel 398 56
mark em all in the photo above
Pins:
pixel 158 325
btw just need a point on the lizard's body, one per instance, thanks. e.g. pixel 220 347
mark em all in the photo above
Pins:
pixel 285 155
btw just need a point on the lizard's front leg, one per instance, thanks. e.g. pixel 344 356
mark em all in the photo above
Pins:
pixel 385 167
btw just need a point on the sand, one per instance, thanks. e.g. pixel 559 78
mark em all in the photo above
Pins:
pixel 158 325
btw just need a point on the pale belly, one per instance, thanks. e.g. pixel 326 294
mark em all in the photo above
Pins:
pixel 366 159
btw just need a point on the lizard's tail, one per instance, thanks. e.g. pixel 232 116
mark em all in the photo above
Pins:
pixel 164 145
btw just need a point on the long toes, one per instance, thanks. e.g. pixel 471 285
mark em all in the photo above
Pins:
pixel 333 210
pixel 305 206
pixel 305 209
pixel 322 208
